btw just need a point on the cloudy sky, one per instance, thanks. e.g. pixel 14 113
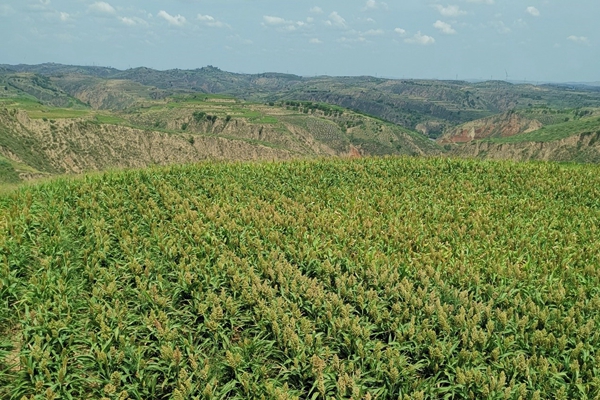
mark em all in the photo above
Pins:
pixel 534 40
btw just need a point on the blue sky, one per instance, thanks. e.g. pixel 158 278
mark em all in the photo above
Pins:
pixel 534 40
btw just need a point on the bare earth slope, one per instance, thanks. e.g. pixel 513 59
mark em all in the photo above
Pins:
pixel 584 147
pixel 41 146
pixel 503 125
pixel 74 146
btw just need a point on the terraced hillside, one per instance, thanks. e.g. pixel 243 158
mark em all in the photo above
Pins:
pixel 389 278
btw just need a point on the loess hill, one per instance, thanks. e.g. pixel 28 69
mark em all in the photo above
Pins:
pixel 385 278
pixel 132 126
pixel 143 112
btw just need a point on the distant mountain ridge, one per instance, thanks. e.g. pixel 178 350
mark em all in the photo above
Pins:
pixel 407 102
pixel 211 113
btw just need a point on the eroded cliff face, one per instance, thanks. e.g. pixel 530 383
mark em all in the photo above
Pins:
pixel 75 146
pixel 47 146
pixel 578 148
pixel 504 125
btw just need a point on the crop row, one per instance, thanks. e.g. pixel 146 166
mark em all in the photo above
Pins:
pixel 372 278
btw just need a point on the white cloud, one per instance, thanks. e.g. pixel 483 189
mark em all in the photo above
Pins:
pixel 176 20
pixel 206 18
pixel 316 10
pixel 315 41
pixel 373 32
pixel 211 21
pixel 374 5
pixel 310 20
pixel 533 11
pixel 400 31
pixel 579 39
pixel 449 11
pixel 481 1
pixel 127 21
pixel 283 25
pixel 444 27
pixel 270 20
pixel 133 21
pixel 336 19
pixel 102 7
pixel 421 39
pixel 64 17
pixel 346 40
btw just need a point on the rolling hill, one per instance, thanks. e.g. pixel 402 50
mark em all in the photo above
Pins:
pixel 40 140
pixel 409 103
pixel 387 278
pixel 69 119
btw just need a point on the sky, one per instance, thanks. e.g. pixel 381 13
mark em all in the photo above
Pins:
pixel 526 40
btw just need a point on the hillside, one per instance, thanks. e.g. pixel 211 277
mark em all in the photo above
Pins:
pixel 435 104
pixel 36 87
pixel 280 116
pixel 38 140
pixel 502 125
pixel 542 134
pixel 367 278
pixel 581 148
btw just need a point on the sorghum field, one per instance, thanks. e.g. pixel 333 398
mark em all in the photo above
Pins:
pixel 393 278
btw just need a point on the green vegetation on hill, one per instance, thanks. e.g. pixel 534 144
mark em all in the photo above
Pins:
pixel 186 127
pixel 298 115
pixel 375 278
pixel 408 102
pixel 38 87
pixel 557 131
pixel 8 174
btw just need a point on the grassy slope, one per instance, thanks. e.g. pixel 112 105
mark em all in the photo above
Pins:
pixel 410 278
pixel 556 132
pixel 8 174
